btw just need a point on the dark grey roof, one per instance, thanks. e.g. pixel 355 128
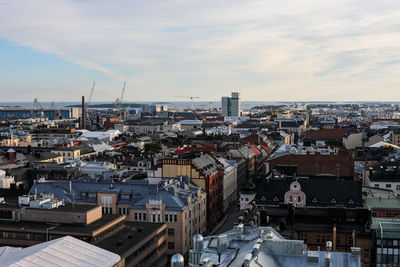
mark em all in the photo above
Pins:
pixel 173 192
pixel 319 191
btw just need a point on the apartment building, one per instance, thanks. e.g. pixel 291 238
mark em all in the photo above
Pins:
pixel 176 202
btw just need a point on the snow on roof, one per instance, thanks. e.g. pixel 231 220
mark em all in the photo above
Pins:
pixel 64 251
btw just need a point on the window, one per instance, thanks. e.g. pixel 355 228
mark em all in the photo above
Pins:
pixel 175 218
pixel 166 217
pixel 298 199
pixel 171 245
pixel 136 216
pixel 171 231
pixel 125 196
pixel 318 239
pixel 144 216
pixel 377 185
pixel 388 186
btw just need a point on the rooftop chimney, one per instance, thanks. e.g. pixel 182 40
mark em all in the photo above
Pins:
pixel 11 155
pixel 83 121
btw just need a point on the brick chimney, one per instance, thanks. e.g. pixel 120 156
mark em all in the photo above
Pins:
pixel 11 155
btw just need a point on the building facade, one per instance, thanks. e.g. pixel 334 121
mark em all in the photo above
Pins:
pixel 231 105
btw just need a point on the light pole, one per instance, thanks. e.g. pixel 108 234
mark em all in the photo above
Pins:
pixel 47 231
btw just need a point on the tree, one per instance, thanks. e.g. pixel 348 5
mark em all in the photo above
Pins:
pixel 152 147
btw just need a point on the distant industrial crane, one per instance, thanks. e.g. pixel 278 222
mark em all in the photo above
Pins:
pixel 91 95
pixel 118 103
pixel 57 112
pixel 192 98
pixel 89 102
pixel 39 107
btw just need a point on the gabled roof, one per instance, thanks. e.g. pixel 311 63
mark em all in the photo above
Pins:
pixel 207 164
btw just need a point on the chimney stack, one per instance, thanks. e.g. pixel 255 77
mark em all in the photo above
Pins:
pixel 11 155
pixel 83 121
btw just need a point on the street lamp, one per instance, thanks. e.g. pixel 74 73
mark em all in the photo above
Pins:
pixel 47 231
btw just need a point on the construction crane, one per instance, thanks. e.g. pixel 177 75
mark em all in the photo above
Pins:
pixel 89 102
pixel 56 111
pixel 91 95
pixel 192 98
pixel 118 103
pixel 38 106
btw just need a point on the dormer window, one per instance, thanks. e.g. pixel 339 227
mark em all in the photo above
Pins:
pixel 351 201
pixel 125 196
pixel 263 198
pixel 276 199
pixel 333 201
pixel 314 200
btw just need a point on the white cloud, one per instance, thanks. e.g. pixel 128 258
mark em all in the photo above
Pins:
pixel 272 50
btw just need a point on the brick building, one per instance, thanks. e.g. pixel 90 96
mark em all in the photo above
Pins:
pixel 336 162
pixel 205 171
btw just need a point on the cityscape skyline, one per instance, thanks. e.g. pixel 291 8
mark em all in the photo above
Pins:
pixel 295 51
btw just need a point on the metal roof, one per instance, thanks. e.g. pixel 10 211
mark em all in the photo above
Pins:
pixel 382 203
pixel 65 251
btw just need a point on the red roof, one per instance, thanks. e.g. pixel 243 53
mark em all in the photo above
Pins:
pixel 201 147
pixel 255 150
pixel 266 148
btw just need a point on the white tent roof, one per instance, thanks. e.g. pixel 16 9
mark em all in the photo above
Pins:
pixel 65 251
pixel 384 144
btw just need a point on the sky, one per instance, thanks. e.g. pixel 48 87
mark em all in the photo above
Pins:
pixel 168 50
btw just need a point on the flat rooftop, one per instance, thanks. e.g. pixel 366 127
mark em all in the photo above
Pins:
pixel 128 237
pixel 66 229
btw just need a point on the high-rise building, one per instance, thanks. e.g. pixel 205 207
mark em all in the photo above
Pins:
pixel 231 105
